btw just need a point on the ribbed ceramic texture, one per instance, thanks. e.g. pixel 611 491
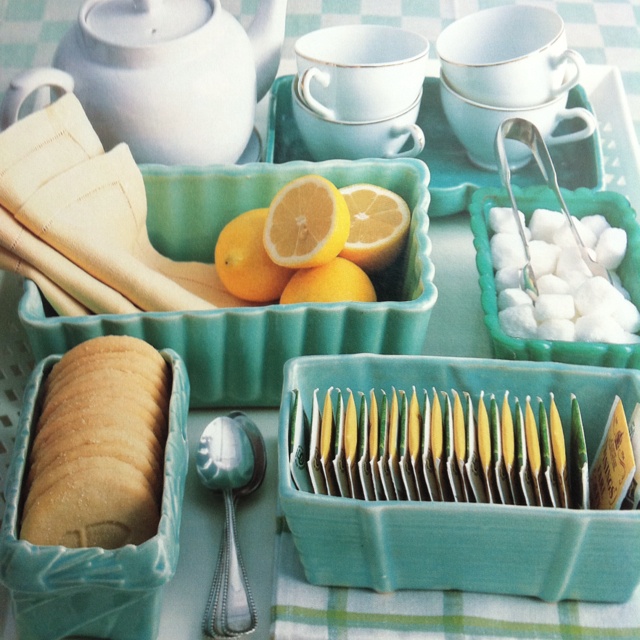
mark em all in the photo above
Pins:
pixel 235 356
pixel 582 202
pixel 59 592
pixel 553 554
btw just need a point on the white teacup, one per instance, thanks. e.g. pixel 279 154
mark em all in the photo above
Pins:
pixel 332 139
pixel 475 125
pixel 361 72
pixel 509 56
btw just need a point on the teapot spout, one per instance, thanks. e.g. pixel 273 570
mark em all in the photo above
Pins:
pixel 266 33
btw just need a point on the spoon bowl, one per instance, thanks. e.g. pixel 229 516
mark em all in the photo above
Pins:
pixel 231 458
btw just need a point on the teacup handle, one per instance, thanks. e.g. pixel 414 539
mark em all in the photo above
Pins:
pixel 580 113
pixel 578 64
pixel 417 136
pixel 24 84
pixel 304 86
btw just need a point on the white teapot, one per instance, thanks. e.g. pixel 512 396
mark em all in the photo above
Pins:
pixel 177 80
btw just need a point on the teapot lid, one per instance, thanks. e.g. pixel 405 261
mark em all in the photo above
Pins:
pixel 139 23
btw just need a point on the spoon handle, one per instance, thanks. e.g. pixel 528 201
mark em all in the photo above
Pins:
pixel 230 609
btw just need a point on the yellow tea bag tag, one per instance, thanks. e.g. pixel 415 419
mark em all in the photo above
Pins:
pixel 299 444
pixel 548 478
pixel 364 468
pixel 327 444
pixel 394 446
pixel 437 447
pixel 484 449
pixel 613 465
pixel 406 463
pixel 497 459
pixel 533 449
pixel 459 443
pixel 453 476
pixel 428 463
pixel 559 453
pixel 314 463
pixel 507 431
pixel 383 450
pixel 578 460
pixel 474 475
pixel 374 445
pixel 527 491
pixel 351 446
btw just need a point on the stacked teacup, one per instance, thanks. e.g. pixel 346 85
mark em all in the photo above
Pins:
pixel 357 92
pixel 509 61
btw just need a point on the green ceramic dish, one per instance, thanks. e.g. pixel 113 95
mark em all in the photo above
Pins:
pixel 453 177
pixel 235 356
pixel 552 554
pixel 93 592
pixel 582 202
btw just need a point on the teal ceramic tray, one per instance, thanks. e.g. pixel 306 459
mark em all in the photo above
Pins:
pixel 552 554
pixel 582 202
pixel 453 177
pixel 90 591
pixel 235 356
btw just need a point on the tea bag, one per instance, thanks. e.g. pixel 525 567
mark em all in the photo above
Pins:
pixel 437 448
pixel 474 477
pixel 497 458
pixel 524 471
pixel 548 479
pixel 314 464
pixel 351 447
pixel 394 446
pixel 428 464
pixel 559 453
pixel 374 446
pixel 299 444
pixel 459 443
pixel 409 446
pixel 533 449
pixel 383 450
pixel 613 465
pixel 578 460
pixel 509 449
pixel 364 468
pixel 327 445
pixel 453 473
pixel 484 449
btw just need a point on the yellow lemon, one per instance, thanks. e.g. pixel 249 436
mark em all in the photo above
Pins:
pixel 242 263
pixel 336 281
pixel 379 226
pixel 308 223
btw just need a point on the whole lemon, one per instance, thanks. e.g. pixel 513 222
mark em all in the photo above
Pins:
pixel 242 263
pixel 339 280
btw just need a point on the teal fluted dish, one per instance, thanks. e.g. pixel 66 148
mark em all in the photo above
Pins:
pixel 58 592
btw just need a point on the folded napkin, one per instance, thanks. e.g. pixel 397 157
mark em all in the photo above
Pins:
pixel 301 610
pixel 77 216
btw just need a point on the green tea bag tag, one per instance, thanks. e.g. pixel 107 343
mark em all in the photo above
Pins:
pixel 327 444
pixel 527 491
pixel 406 460
pixel 364 468
pixel 299 444
pixel 548 479
pixel 559 453
pixel 497 458
pixel 374 446
pixel 474 476
pixel 454 477
pixel 314 464
pixel 428 465
pixel 578 460
pixel 613 465
pixel 383 450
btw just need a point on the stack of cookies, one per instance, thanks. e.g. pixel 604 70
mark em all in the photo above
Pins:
pixel 95 470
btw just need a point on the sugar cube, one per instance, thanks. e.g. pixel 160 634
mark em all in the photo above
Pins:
pixel 611 247
pixel 597 295
pixel 599 327
pixel 507 278
pixel 554 306
pixel 626 314
pixel 512 297
pixel 572 268
pixel 544 257
pixel 557 329
pixel 502 220
pixel 518 321
pixel 507 251
pixel 551 283
pixel 597 223
pixel 544 223
pixel 563 236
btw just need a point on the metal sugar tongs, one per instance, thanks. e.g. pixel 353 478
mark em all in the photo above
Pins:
pixel 526 132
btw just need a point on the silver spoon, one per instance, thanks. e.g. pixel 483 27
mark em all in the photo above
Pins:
pixel 231 458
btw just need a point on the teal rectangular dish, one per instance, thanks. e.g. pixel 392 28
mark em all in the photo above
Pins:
pixel 582 202
pixel 453 178
pixel 59 592
pixel 235 356
pixel 552 554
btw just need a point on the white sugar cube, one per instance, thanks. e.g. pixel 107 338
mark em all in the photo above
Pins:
pixel 611 247
pixel 513 297
pixel 518 321
pixel 544 257
pixel 597 295
pixel 596 223
pixel 572 268
pixel 544 223
pixel 630 338
pixel 551 283
pixel 554 305
pixel 557 329
pixel 626 314
pixel 598 327
pixel 502 220
pixel 507 278
pixel 507 251
pixel 563 236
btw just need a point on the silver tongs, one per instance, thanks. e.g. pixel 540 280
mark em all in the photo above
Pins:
pixel 526 132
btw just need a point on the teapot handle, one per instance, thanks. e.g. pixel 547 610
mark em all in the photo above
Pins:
pixel 24 84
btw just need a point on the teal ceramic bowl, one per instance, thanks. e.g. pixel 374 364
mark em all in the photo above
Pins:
pixel 58 592
pixel 235 356
pixel 582 202
pixel 552 554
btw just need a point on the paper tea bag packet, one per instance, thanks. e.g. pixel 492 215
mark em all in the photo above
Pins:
pixel 384 468
pixel 364 467
pixel 314 463
pixel 613 465
pixel 409 447
pixel 374 446
pixel 393 459
pixel 455 478
pixel 578 460
pixel 350 447
pixel 333 455
pixel 559 453
pixel 632 498
pixel 474 476
pixel 548 479
pixel 437 448
pixel 428 463
pixel 497 453
pixel 525 478
pixel 507 430
pixel 299 444
pixel 485 451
